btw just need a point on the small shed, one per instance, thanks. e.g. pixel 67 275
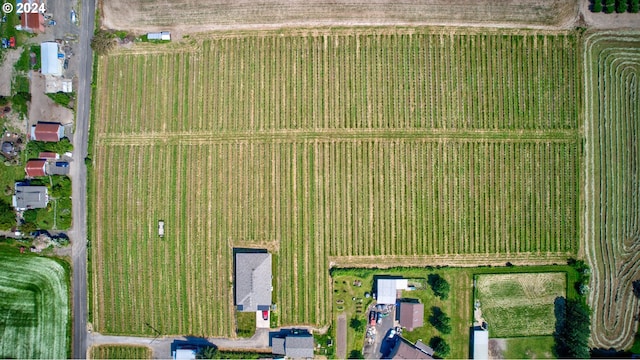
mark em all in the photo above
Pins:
pixel 35 168
pixel 164 35
pixel 161 228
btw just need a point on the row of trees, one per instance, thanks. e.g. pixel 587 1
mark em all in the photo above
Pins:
pixel 439 319
pixel 619 6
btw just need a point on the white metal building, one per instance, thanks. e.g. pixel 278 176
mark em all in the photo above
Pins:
pixel 480 344
pixel 50 62
pixel 165 35
pixel 387 290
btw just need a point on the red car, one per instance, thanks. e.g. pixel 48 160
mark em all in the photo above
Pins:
pixel 12 42
pixel 265 314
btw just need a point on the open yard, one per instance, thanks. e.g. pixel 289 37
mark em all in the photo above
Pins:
pixel 612 241
pixel 34 307
pixel 119 352
pixel 193 15
pixel 324 144
pixel 520 304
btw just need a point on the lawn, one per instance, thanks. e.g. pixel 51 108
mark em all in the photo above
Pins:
pixel 520 304
pixel 530 347
pixel 34 303
pixel 246 323
pixel 119 352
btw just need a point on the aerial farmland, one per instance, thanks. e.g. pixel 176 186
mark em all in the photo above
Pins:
pixel 395 149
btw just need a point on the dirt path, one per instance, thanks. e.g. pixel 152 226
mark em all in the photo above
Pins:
pixel 341 346
pixel 6 71
pixel 42 107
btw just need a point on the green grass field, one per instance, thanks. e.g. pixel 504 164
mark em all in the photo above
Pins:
pixel 316 144
pixel 612 69
pixel 119 352
pixel 34 306
pixel 520 304
pixel 530 347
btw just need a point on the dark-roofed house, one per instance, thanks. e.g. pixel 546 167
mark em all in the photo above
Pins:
pixel 35 168
pixel 30 197
pixel 50 132
pixel 411 315
pixel 253 281
pixel 296 346
pixel 405 350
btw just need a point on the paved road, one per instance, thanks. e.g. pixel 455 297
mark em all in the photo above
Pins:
pixel 78 233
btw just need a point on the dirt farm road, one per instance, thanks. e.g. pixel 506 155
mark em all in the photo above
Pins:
pixel 78 172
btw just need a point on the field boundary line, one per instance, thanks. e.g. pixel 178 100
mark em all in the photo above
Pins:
pixel 187 138
pixel 466 260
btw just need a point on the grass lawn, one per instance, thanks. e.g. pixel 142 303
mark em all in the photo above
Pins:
pixel 120 352
pixel 8 176
pixel 520 304
pixel 34 303
pixel 530 347
pixel 246 323
pixel 458 306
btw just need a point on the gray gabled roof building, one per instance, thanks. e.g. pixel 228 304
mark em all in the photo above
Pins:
pixel 253 281
pixel 296 346
pixel 30 197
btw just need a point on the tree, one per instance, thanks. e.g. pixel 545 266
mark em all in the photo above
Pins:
pixel 356 354
pixel 28 227
pixel 621 6
pixel 636 288
pixel 609 6
pixel 440 320
pixel 357 324
pixel 102 42
pixel 7 216
pixel 439 285
pixel 597 6
pixel 572 329
pixel 440 346
pixel 634 6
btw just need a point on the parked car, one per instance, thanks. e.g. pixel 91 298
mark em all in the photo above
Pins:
pixel 265 314
pixel 5 43
pixel 12 41
pixel 372 318
pixel 66 64
pixel 392 333
pixel 63 164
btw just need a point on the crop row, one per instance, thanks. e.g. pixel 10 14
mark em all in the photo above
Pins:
pixel 472 81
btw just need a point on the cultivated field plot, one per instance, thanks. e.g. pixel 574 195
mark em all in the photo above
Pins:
pixel 520 304
pixel 422 142
pixel 34 307
pixel 119 352
pixel 209 15
pixel 612 237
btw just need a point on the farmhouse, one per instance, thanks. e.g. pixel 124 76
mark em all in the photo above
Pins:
pixel 411 315
pixel 30 21
pixel 30 197
pixel 387 290
pixel 405 350
pixel 253 281
pixel 297 346
pixel 36 168
pixel 49 132
pixel 480 343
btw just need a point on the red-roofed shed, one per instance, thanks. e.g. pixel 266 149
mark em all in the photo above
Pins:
pixel 35 168
pixel 51 132
pixel 33 22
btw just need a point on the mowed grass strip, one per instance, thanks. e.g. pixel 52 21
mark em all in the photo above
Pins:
pixel 119 352
pixel 520 304
pixel 314 146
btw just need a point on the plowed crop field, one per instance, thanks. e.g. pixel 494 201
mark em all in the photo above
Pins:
pixel 612 240
pixel 416 142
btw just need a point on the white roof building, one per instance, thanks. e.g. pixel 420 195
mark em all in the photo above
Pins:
pixel 51 64
pixel 165 35
pixel 387 290
pixel 184 354
pixel 481 344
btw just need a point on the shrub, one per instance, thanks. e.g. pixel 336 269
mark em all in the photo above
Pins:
pixel 634 6
pixel 621 6
pixel 7 216
pixel 357 324
pixel 102 42
pixel 572 329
